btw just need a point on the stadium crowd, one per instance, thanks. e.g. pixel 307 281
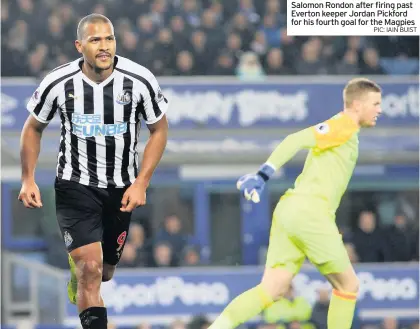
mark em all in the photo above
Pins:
pixel 247 38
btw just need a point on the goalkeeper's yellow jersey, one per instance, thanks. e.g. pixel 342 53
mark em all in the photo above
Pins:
pixel 331 160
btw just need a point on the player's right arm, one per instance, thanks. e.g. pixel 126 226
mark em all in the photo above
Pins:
pixel 253 184
pixel 42 107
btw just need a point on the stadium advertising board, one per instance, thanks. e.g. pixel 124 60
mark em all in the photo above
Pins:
pixel 221 104
pixel 161 295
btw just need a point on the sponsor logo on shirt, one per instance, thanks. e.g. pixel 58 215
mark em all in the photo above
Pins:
pixel 90 125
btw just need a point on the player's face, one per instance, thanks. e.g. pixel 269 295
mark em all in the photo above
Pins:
pixel 370 109
pixel 98 45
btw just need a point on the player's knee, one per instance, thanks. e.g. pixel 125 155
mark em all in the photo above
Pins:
pixel 276 290
pixel 108 272
pixel 90 273
pixel 351 285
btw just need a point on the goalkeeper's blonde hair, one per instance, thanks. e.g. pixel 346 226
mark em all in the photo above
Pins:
pixel 357 88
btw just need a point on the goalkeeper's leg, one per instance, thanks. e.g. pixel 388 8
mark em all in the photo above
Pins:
pixel 343 299
pixel 274 284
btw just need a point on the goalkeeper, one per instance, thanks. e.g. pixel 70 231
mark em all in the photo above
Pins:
pixel 304 220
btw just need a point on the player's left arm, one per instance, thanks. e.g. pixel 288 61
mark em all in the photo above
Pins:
pixel 154 149
pixel 154 114
pixel 154 106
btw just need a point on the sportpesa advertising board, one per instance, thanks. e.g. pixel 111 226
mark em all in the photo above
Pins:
pixel 160 295
pixel 229 103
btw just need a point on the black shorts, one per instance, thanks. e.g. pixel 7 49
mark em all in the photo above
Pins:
pixel 89 214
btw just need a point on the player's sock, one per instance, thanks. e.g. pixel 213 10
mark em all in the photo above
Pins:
pixel 94 318
pixel 243 308
pixel 72 284
pixel 341 310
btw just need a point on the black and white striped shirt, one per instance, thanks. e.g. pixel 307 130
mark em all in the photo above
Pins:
pixel 99 122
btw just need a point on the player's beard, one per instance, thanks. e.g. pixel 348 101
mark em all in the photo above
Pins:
pixel 103 66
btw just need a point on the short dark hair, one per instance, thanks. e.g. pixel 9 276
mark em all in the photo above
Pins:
pixel 90 19
pixel 358 86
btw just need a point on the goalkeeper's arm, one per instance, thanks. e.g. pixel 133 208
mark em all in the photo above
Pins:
pixel 286 150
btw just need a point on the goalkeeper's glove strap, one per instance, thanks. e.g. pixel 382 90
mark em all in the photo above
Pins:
pixel 264 176
pixel 266 171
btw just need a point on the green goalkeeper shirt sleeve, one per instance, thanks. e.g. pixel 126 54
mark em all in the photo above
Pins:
pixel 292 144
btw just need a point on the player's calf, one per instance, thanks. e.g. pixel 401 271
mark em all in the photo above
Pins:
pixel 88 283
pixel 346 281
pixel 343 299
pixel 88 261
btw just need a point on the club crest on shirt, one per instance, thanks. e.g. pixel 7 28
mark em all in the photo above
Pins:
pixel 323 128
pixel 124 97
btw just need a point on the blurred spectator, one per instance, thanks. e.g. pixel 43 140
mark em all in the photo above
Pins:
pixel 259 44
pixel 38 60
pixel 201 52
pixel 191 257
pixel 185 64
pixel 271 31
pixel 247 8
pixel 159 13
pixel 397 237
pixel 273 7
pixel 224 65
pixel 179 33
pixel 290 48
pixel 171 233
pixel 99 8
pixel 214 32
pixel 241 27
pixel 161 63
pixel 234 46
pixel 275 63
pixel 249 67
pixel 371 63
pixel 162 255
pixel 349 64
pixel 129 44
pixel 191 12
pixel 146 28
pixel 310 62
pixel 320 309
pixel 288 309
pixel 367 238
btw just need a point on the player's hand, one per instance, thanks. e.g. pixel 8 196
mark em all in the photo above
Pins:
pixel 251 186
pixel 134 196
pixel 30 195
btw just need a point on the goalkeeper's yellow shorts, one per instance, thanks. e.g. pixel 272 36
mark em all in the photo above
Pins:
pixel 303 227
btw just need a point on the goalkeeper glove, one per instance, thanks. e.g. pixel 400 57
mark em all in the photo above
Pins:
pixel 252 185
